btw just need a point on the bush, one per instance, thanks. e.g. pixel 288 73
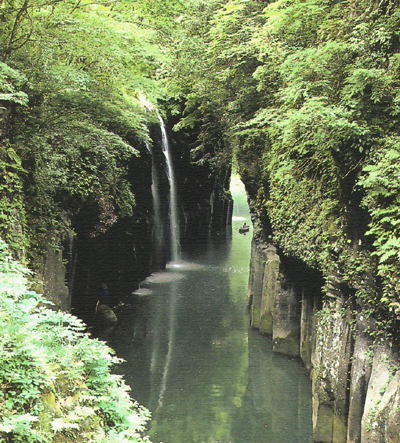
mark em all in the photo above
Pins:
pixel 56 383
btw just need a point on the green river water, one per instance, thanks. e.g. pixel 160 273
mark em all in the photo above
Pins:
pixel 192 359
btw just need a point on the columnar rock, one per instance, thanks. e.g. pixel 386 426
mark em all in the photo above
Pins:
pixel 355 381
pixel 286 318
pixel 359 378
pixel 274 304
pixel 52 275
pixel 309 307
pixel 381 417
pixel 331 361
pixel 258 261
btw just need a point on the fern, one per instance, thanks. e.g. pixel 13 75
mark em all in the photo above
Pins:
pixel 55 380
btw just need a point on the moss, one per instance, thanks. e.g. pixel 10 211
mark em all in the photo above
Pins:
pixel 266 323
pixel 288 345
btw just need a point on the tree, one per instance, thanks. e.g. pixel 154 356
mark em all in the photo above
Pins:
pixel 71 93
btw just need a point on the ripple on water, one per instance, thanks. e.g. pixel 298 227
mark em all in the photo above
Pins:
pixel 164 277
pixel 184 266
pixel 142 292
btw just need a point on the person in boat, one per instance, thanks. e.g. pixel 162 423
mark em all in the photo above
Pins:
pixel 244 227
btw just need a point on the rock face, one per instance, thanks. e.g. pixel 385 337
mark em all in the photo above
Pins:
pixel 381 417
pixel 355 379
pixel 52 274
pixel 276 299
pixel 330 369
pixel 89 266
pixel 264 269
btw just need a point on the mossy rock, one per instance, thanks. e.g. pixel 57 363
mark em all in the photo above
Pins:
pixel 105 315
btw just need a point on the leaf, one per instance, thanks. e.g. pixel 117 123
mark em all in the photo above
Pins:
pixel 59 424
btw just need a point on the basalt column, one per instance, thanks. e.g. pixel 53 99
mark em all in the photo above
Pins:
pixel 263 285
pixel 278 289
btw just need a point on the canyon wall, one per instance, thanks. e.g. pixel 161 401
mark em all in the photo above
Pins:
pixel 355 373
pixel 84 268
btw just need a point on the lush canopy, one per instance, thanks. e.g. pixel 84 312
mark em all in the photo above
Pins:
pixel 304 94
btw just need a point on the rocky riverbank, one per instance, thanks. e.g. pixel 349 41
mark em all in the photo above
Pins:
pixel 355 372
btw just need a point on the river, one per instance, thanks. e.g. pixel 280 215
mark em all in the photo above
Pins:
pixel 192 359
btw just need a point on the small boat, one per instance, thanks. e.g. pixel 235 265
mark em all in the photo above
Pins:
pixel 243 229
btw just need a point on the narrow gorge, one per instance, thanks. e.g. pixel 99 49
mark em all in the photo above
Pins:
pixel 136 139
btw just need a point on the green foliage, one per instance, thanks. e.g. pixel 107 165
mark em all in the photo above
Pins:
pixel 12 208
pixel 10 81
pixel 70 105
pixel 307 220
pixel 305 94
pixel 381 180
pixel 210 75
pixel 80 161
pixel 336 98
pixel 56 382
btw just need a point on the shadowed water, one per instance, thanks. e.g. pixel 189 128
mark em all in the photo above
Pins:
pixel 194 362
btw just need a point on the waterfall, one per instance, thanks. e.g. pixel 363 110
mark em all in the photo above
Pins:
pixel 173 203
pixel 174 234
pixel 158 231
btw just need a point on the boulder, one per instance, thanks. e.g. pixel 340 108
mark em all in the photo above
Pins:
pixel 105 315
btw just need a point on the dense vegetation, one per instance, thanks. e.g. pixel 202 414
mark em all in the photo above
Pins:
pixel 304 94
pixel 55 380
pixel 72 77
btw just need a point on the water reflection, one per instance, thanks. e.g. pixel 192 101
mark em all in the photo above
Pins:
pixel 277 403
pixel 192 360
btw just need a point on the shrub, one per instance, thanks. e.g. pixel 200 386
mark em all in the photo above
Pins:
pixel 56 383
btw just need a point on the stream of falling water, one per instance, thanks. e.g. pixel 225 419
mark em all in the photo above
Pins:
pixel 173 199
